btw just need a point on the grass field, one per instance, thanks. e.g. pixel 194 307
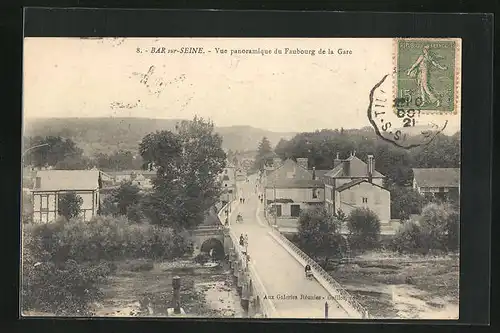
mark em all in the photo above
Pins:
pixel 409 287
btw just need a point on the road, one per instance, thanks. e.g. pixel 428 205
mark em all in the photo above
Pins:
pixel 282 275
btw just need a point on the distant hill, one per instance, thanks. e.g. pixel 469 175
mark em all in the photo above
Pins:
pixel 109 134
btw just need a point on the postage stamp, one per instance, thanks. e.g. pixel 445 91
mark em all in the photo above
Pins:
pixel 428 74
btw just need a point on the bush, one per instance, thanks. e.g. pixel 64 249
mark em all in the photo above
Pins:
pixel 109 238
pixel 64 262
pixel 439 222
pixel 60 288
pixel 437 230
pixel 408 238
pixel 364 229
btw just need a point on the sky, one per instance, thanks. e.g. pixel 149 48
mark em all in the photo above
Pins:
pixel 73 77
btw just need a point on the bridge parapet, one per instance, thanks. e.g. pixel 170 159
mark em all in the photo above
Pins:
pixel 249 284
pixel 343 297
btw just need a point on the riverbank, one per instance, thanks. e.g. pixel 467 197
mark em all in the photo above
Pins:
pixel 407 287
pixel 144 289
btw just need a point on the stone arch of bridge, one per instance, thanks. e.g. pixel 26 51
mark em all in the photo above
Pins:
pixel 213 244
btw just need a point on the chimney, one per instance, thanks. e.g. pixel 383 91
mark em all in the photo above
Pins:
pixel 347 168
pixel 336 161
pixel 314 173
pixel 371 167
pixel 303 161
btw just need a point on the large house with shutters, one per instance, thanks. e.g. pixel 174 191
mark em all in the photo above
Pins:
pixel 290 188
pixel 51 184
pixel 355 184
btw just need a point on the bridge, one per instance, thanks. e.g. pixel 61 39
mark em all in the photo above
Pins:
pixel 271 279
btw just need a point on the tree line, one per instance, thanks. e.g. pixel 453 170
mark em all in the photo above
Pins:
pixel 64 154
pixel 321 148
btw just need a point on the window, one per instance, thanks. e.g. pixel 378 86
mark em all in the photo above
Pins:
pixel 44 206
pixel 38 182
pixel 365 200
pixel 315 194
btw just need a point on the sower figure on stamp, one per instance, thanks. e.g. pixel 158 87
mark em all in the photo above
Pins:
pixel 420 70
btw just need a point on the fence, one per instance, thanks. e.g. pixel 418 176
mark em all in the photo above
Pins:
pixel 319 271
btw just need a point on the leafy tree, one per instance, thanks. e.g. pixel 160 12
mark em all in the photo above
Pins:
pixel 69 205
pixel 440 226
pixel 124 200
pixel 265 154
pixel 55 150
pixel 408 238
pixel 319 234
pixel 405 201
pixel 127 194
pixel 364 229
pixel 118 160
pixel 188 162
pixel 73 163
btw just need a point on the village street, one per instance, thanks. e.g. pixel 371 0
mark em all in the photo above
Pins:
pixel 282 275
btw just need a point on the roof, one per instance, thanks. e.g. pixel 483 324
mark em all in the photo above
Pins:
pixel 296 183
pixel 289 170
pixel 354 183
pixel 437 177
pixel 320 174
pixel 357 168
pixel 67 180
pixel 129 172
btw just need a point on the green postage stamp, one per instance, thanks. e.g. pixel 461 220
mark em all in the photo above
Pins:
pixel 428 74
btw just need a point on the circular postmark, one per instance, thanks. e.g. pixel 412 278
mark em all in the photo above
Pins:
pixel 396 121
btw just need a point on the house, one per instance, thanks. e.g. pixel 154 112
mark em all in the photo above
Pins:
pixel 228 183
pixel 355 184
pixel 51 184
pixel 241 174
pixel 290 188
pixel 439 182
